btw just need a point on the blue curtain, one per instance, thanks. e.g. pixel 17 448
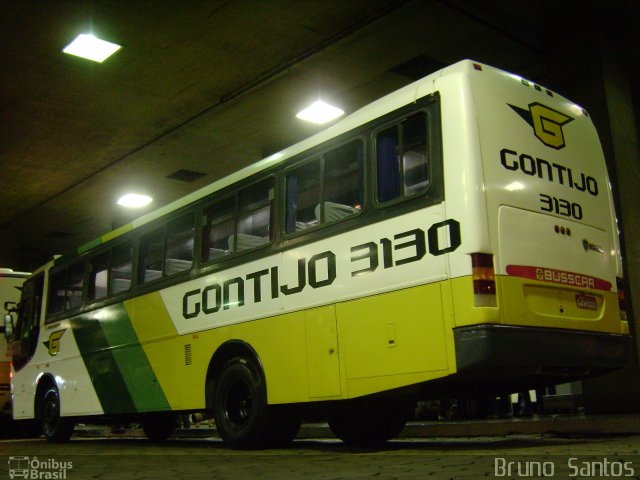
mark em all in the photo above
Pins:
pixel 388 172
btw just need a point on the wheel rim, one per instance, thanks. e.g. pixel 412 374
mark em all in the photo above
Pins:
pixel 238 404
pixel 51 413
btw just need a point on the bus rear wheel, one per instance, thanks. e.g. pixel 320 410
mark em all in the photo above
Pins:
pixel 243 418
pixel 54 427
pixel 369 423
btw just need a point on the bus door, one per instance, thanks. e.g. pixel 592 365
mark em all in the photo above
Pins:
pixel 25 339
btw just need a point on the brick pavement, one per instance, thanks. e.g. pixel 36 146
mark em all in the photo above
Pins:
pixel 437 458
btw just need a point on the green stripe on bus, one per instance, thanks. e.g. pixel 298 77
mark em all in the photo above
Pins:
pixel 119 369
pixel 133 363
pixel 103 369
pixel 88 246
pixel 117 232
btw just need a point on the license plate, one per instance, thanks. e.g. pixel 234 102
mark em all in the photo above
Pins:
pixel 586 302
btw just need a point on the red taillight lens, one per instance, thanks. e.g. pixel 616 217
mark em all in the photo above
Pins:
pixel 621 302
pixel 484 279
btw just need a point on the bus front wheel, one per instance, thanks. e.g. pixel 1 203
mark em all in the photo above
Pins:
pixel 369 423
pixel 243 417
pixel 54 427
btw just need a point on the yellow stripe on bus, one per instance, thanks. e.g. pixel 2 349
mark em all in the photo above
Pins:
pixel 157 335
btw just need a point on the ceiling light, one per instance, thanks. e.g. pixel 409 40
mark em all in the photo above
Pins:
pixel 134 200
pixel 91 48
pixel 320 112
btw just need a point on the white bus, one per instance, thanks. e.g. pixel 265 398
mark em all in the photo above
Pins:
pixel 10 285
pixel 457 234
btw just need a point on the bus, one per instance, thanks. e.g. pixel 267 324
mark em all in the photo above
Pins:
pixel 454 236
pixel 10 285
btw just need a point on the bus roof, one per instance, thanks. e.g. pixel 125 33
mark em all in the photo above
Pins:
pixel 394 100
pixel 377 108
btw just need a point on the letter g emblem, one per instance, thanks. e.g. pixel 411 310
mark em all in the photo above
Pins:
pixel 53 344
pixel 547 125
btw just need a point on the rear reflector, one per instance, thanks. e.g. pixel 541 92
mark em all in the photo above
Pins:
pixel 484 280
pixel 621 302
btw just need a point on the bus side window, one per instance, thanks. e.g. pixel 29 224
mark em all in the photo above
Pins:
pixel 342 182
pixel 218 225
pixel 75 282
pixel 57 292
pixel 414 155
pixel 326 189
pixel 303 194
pixel 99 276
pixel 402 159
pixel 110 271
pixel 179 246
pixel 151 256
pixel 120 268
pixel 255 205
pixel 65 289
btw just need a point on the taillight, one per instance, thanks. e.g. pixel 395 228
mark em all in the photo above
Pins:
pixel 621 303
pixel 484 280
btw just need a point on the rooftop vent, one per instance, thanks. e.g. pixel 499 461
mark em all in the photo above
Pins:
pixel 186 175
pixel 418 67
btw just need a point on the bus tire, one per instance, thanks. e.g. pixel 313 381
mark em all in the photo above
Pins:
pixel 159 428
pixel 286 421
pixel 369 423
pixel 54 427
pixel 243 418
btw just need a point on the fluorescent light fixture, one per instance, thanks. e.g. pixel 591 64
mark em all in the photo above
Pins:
pixel 320 112
pixel 92 48
pixel 134 200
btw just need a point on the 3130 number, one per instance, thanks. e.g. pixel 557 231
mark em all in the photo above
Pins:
pixel 560 206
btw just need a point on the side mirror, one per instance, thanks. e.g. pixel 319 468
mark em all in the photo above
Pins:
pixel 11 307
pixel 7 328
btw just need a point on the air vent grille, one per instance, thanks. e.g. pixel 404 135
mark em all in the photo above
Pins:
pixel 187 354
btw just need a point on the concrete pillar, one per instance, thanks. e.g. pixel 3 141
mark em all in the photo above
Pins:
pixel 618 392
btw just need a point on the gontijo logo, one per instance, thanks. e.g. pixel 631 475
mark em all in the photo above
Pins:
pixel 547 123
pixel 53 344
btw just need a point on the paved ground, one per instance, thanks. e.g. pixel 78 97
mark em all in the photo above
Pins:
pixel 535 455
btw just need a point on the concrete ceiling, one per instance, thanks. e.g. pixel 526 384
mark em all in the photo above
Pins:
pixel 211 86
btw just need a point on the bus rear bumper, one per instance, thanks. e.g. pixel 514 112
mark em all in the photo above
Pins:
pixel 504 348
